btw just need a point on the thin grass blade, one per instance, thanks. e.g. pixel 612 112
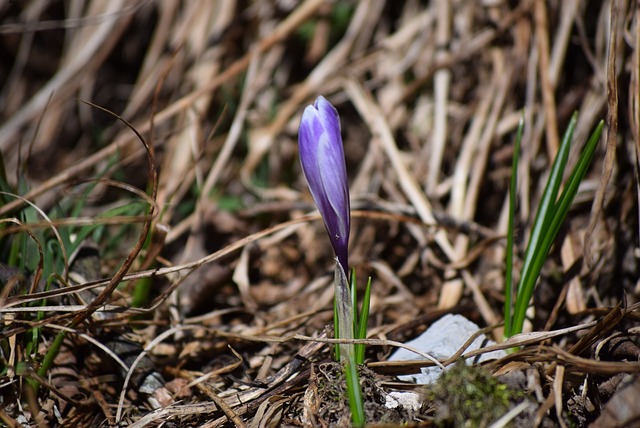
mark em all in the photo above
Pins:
pixel 513 188
pixel 363 319
pixel 543 217
pixel 560 210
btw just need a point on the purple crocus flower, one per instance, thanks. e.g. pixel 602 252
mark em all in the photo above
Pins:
pixel 322 159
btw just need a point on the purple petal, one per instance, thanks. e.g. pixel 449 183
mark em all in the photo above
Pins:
pixel 308 141
pixel 334 185
pixel 330 122
pixel 323 165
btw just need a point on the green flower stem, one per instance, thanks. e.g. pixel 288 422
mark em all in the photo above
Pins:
pixel 344 311
pixel 345 315
pixel 354 392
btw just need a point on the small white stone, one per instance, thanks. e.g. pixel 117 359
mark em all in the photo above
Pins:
pixel 408 400
pixel 443 339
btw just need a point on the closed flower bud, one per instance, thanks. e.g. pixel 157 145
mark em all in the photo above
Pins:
pixel 323 165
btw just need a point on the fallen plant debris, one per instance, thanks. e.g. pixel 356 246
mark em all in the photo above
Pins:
pixel 161 261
